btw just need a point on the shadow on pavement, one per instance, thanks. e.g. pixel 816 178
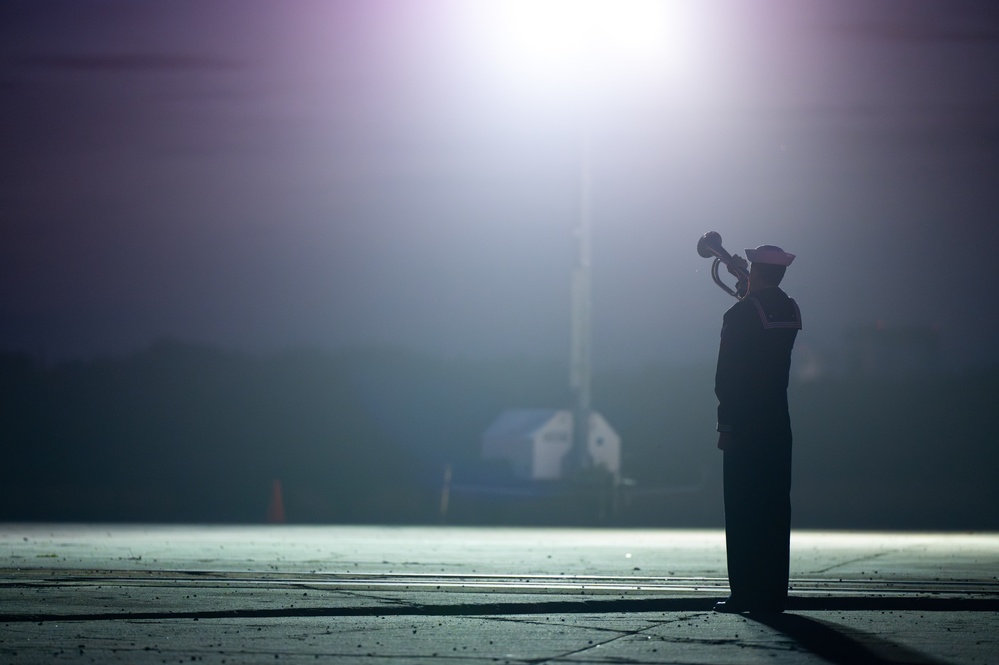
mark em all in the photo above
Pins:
pixel 839 644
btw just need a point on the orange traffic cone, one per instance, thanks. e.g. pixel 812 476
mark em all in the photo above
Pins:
pixel 275 511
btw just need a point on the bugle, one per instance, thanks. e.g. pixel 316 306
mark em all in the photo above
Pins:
pixel 710 245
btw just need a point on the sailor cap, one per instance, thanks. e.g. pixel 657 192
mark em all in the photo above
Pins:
pixel 769 254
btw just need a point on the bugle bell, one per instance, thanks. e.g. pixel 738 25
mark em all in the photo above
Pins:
pixel 710 245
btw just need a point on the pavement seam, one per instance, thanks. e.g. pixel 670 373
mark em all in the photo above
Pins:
pixel 862 559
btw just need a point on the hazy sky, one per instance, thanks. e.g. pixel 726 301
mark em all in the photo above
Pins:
pixel 267 175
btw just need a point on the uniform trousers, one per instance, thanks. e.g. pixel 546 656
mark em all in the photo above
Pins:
pixel 757 490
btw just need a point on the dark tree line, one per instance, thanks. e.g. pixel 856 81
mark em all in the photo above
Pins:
pixel 191 434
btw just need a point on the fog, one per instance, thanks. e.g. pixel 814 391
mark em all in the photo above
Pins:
pixel 322 175
pixel 356 224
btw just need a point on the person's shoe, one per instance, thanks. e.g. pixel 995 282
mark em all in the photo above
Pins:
pixel 766 609
pixel 730 606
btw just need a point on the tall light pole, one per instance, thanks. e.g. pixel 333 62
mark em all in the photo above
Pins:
pixel 580 362
pixel 577 45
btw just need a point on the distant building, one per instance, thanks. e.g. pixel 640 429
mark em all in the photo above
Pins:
pixel 881 351
pixel 535 442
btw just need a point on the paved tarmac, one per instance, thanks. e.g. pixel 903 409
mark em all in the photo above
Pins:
pixel 221 594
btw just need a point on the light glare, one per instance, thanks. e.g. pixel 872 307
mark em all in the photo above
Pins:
pixel 567 38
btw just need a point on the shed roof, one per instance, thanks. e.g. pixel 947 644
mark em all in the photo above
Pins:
pixel 515 423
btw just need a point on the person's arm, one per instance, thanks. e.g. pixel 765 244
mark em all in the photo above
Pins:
pixel 732 380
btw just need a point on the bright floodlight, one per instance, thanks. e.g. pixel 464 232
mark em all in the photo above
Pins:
pixel 570 38
pixel 560 29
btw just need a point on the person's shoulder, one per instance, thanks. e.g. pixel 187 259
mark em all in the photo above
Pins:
pixel 776 309
pixel 774 296
pixel 772 293
pixel 742 309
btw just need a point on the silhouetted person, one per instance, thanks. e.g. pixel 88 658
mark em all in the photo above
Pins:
pixel 754 429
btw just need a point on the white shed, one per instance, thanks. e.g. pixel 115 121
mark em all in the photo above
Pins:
pixel 535 442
